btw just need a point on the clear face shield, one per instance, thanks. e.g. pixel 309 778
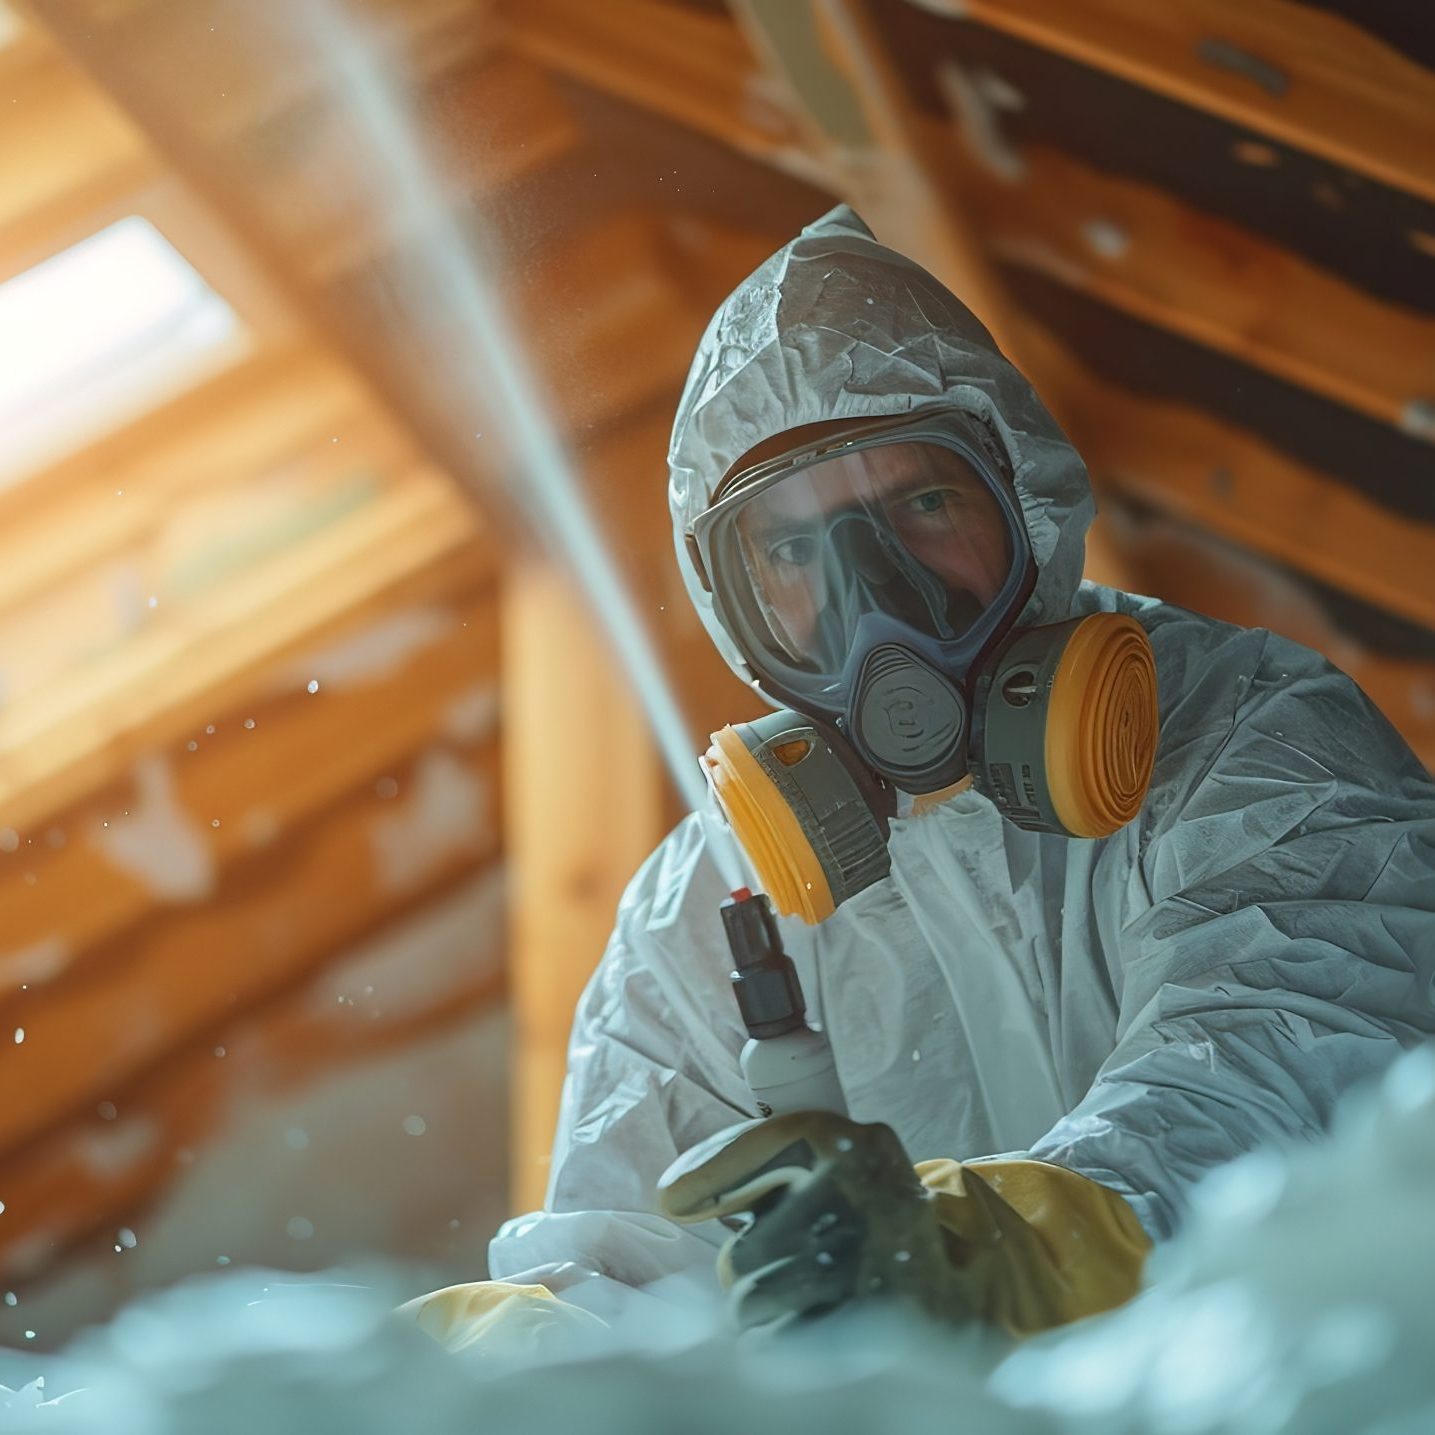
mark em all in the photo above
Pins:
pixel 907 531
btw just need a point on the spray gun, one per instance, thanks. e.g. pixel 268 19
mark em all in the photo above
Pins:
pixel 787 1065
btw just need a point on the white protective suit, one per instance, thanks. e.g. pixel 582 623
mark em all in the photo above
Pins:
pixel 1139 1008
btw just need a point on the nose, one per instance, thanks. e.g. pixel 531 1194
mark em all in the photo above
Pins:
pixel 861 550
pixel 873 571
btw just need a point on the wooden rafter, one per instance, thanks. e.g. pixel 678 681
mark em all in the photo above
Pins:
pixel 161 62
pixel 70 966
pixel 1152 257
pixel 1208 472
pixel 690 66
pixel 235 73
pixel 66 152
pixel 269 412
pixel 52 748
pixel 1312 80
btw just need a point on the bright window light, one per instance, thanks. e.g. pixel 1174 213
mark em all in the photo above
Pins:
pixel 94 336
pixel 9 25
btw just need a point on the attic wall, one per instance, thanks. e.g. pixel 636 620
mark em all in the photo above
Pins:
pixel 248 746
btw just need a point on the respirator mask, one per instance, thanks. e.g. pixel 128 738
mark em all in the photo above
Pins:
pixel 872 581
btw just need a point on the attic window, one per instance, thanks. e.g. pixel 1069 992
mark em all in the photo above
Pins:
pixel 99 333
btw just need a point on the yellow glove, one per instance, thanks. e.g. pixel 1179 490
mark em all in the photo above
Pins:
pixel 502 1320
pixel 839 1214
pixel 1035 1245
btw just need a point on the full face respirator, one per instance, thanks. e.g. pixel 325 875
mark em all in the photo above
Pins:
pixel 872 581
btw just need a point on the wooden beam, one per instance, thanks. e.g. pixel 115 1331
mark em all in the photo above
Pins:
pixel 1197 570
pixel 689 65
pixel 1286 70
pixel 104 1165
pixel 1200 469
pixel 51 746
pixel 162 62
pixel 317 201
pixel 264 849
pixel 583 809
pixel 233 69
pixel 1140 251
pixel 66 152
pixel 272 413
pixel 466 574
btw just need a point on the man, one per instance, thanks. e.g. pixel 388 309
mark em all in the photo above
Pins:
pixel 1110 1016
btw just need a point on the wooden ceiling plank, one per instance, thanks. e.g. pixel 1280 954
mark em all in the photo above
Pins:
pixel 468 567
pixel 693 67
pixel 1140 251
pixel 278 918
pixel 243 428
pixel 279 385
pixel 1285 70
pixel 261 782
pixel 1185 463
pixel 176 563
pixel 50 748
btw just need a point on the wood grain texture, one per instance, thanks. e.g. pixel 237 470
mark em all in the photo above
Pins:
pixel 1312 80
pixel 583 798
pixel 1149 255
pixel 235 877
pixel 687 65
pixel 103 1163
pixel 1188 464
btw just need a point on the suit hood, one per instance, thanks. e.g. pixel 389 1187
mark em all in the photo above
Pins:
pixel 837 326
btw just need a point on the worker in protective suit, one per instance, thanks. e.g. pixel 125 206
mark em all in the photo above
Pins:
pixel 1187 901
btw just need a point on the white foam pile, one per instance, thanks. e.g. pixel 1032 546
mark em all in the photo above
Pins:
pixel 1300 1300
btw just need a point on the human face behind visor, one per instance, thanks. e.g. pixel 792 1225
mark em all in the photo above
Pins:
pixel 909 529
pixel 905 531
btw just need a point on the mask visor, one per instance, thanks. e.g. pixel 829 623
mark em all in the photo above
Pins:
pixel 920 531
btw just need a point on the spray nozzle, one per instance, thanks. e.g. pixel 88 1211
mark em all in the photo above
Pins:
pixel 763 978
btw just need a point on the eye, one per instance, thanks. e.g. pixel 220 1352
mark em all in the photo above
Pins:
pixel 933 501
pixel 794 552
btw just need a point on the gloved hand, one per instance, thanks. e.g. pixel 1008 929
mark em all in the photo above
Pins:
pixel 496 1319
pixel 838 1214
